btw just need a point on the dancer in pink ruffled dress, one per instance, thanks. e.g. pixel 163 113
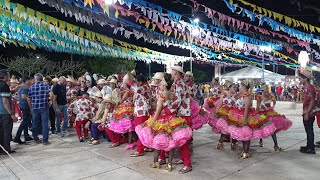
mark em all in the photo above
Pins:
pixel 210 103
pixel 265 105
pixel 244 122
pixel 226 103
pixel 123 121
pixel 164 131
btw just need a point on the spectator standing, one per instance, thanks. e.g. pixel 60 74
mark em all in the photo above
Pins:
pixel 309 96
pixel 206 90
pixel 279 90
pixel 26 111
pixel 60 105
pixel 39 94
pixel 52 115
pixel 7 116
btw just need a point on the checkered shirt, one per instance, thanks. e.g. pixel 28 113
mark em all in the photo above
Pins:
pixel 39 94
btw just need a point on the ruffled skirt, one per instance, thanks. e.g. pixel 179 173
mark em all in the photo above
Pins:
pixel 223 113
pixel 280 121
pixel 257 125
pixel 166 133
pixel 123 119
pixel 210 104
pixel 195 108
pixel 200 119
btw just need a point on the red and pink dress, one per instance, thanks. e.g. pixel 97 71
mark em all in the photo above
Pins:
pixel 123 117
pixel 280 121
pixel 257 125
pixel 199 116
pixel 228 103
pixel 166 133
pixel 211 102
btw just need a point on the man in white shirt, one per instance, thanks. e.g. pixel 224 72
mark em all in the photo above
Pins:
pixel 106 89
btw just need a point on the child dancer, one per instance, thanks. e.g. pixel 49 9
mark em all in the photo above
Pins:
pixel 124 115
pixel 83 110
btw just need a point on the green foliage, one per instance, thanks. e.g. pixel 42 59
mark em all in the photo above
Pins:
pixel 107 66
pixel 36 63
pixel 200 76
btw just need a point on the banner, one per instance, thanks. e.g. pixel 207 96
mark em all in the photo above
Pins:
pixel 276 26
pixel 42 31
pixel 280 17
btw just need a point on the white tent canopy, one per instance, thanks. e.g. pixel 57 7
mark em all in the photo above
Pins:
pixel 253 72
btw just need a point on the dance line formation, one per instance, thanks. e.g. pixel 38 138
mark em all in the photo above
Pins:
pixel 157 115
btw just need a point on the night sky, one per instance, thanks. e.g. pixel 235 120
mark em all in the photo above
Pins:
pixel 289 8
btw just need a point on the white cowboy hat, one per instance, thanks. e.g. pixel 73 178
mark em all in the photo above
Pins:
pixel 55 80
pixel 306 73
pixel 70 80
pixel 127 77
pixel 228 82
pixel 113 81
pixel 108 98
pixel 116 76
pixel 152 84
pixel 98 94
pixel 101 82
pixel 158 75
pixel 177 68
pixel 133 72
pixel 189 73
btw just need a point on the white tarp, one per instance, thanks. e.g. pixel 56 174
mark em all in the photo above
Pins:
pixel 253 72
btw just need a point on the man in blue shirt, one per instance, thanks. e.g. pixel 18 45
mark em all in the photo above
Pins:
pixel 39 101
pixel 7 116
pixel 25 109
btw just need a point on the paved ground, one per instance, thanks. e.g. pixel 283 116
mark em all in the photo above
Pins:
pixel 68 159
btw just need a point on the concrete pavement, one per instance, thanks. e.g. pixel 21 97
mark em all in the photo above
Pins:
pixel 68 159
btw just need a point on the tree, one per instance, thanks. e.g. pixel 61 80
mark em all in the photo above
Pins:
pixel 200 75
pixel 34 63
pixel 108 66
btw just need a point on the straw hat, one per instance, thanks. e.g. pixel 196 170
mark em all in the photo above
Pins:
pixel 128 77
pixel 70 80
pixel 306 74
pixel 98 94
pixel 158 75
pixel 108 98
pixel 133 72
pixel 228 82
pixel 248 83
pixel 109 78
pixel 264 88
pixel 55 80
pixel 115 76
pixel 178 68
pixel 113 81
pixel 101 82
pixel 14 81
pixel 189 73
pixel 152 83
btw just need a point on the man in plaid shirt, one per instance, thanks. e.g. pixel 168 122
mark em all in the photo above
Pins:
pixel 39 101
